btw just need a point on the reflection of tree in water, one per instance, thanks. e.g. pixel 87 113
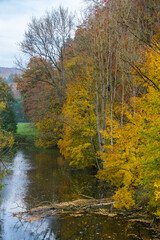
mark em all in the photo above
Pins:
pixel 33 230
pixel 7 155
pixel 52 180
pixel 1 226
pixel 98 228
pixel 84 227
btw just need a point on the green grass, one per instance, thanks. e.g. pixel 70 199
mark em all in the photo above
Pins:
pixel 26 132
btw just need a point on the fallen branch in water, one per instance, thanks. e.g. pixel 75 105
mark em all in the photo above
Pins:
pixel 76 207
pixel 86 196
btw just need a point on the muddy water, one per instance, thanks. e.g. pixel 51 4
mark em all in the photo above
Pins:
pixel 36 177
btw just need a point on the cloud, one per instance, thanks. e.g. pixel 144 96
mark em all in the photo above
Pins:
pixel 14 17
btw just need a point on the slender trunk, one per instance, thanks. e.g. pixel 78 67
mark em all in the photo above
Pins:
pixel 134 98
pixel 97 114
pixel 94 152
pixel 111 106
pixel 92 142
pixel 107 86
pixel 115 78
pixel 122 109
pixel 97 99
pixel 102 87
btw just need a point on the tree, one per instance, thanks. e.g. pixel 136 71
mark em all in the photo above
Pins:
pixel 48 38
pixel 46 43
pixel 41 103
pixel 79 141
pixel 7 116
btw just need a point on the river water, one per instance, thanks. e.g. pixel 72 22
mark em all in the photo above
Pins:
pixel 37 177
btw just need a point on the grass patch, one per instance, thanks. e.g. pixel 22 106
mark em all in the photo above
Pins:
pixel 26 133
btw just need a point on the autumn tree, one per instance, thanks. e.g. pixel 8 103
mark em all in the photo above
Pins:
pixel 79 141
pixel 48 38
pixel 142 22
pixel 46 42
pixel 40 101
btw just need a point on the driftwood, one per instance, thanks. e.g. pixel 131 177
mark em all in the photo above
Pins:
pixel 76 208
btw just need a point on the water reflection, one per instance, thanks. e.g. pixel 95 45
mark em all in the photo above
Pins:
pixel 51 180
pixel 37 177
pixel 16 185
pixel 97 228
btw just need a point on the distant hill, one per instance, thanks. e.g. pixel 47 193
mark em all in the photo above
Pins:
pixel 6 72
pixel 8 75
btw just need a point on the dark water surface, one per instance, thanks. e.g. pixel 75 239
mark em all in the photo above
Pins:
pixel 40 177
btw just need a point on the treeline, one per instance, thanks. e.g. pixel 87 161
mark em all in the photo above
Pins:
pixel 97 95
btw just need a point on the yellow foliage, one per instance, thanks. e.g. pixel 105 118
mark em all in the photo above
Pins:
pixel 157 192
pixel 6 139
pixel 79 122
pixel 124 198
pixel 134 159
pixel 49 131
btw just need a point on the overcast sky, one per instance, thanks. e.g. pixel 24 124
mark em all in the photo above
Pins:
pixel 14 16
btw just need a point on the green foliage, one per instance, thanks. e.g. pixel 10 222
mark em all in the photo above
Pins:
pixel 9 122
pixel 7 115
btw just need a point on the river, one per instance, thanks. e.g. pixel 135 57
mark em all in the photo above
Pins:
pixel 37 177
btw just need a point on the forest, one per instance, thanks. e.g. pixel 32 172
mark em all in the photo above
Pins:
pixel 93 91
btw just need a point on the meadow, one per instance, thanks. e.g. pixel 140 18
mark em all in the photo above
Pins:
pixel 26 132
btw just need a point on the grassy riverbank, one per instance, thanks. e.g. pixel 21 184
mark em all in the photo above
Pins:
pixel 26 133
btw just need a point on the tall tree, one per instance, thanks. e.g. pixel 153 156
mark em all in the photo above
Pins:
pixel 79 140
pixel 41 103
pixel 48 38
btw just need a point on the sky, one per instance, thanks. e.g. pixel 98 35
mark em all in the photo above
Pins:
pixel 14 17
